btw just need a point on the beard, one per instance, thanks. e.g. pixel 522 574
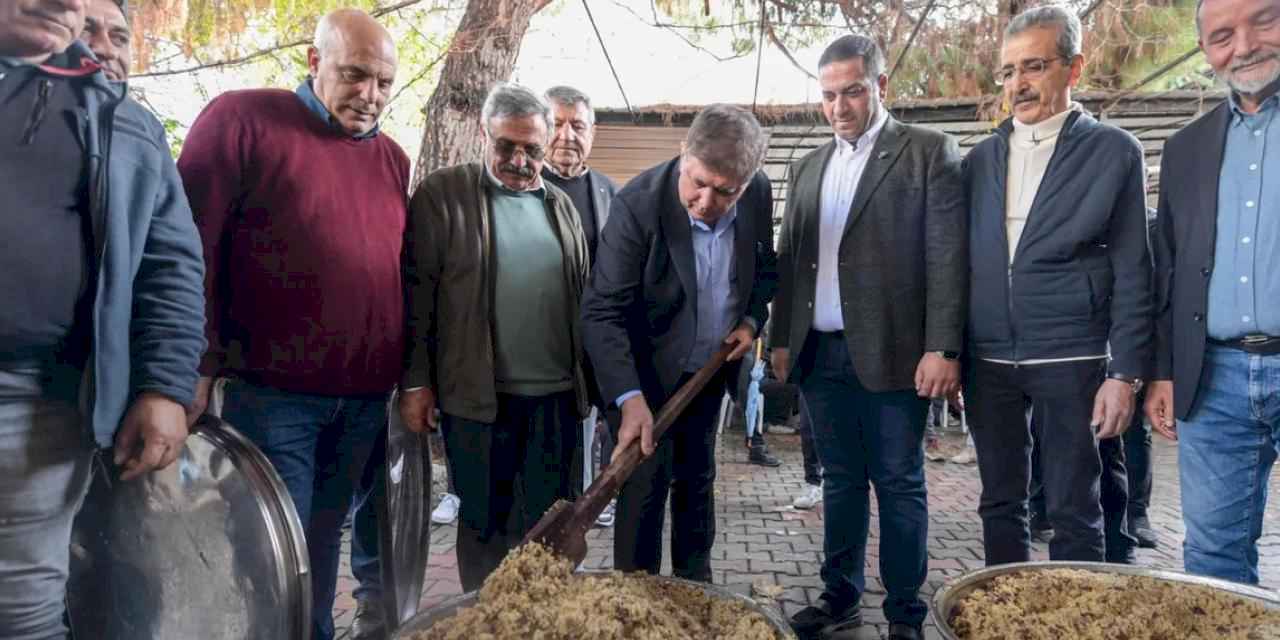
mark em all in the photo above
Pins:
pixel 1253 84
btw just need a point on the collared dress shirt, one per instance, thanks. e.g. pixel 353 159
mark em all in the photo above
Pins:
pixel 839 186
pixel 1244 288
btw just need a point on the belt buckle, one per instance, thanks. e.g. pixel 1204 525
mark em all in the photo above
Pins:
pixel 1255 339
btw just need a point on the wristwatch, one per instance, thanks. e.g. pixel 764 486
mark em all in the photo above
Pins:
pixel 1134 383
pixel 949 355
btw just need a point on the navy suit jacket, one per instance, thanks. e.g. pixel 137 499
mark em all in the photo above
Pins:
pixel 639 309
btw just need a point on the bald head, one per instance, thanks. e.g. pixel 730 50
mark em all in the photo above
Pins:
pixel 353 65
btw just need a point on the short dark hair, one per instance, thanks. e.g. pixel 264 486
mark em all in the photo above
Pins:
pixel 855 46
pixel 124 8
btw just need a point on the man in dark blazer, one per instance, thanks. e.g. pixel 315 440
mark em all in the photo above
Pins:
pixel 686 263
pixel 871 295
pixel 1217 380
pixel 566 167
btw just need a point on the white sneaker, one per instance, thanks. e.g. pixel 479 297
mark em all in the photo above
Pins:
pixel 447 511
pixel 809 499
pixel 968 456
pixel 605 519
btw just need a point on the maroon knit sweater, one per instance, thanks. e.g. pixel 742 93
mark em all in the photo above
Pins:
pixel 302 228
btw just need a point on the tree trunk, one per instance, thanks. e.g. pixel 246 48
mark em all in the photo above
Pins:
pixel 483 52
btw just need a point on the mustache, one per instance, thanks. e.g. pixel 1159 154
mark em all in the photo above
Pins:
pixel 1255 59
pixel 1026 96
pixel 524 172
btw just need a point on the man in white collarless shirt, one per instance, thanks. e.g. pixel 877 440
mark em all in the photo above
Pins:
pixel 872 263
pixel 1061 311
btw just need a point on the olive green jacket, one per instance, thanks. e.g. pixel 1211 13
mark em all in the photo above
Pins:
pixel 449 288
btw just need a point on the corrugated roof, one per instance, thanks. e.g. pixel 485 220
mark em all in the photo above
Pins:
pixel 623 148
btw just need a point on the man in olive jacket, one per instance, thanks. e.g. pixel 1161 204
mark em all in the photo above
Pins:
pixel 495 264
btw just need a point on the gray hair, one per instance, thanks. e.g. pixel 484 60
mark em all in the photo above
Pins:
pixel 728 140
pixel 567 96
pixel 1051 16
pixel 853 46
pixel 511 100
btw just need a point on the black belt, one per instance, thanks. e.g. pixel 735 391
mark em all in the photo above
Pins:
pixel 1256 344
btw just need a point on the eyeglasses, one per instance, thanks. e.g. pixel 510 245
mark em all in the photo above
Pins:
pixel 1030 69
pixel 507 149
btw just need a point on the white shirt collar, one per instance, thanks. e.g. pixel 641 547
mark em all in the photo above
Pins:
pixel 868 137
pixel 1049 129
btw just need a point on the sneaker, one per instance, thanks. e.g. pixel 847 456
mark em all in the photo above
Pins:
pixel 606 517
pixel 968 456
pixel 447 511
pixel 933 450
pixel 810 498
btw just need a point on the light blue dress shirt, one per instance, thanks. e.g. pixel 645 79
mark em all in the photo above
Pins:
pixel 1244 289
pixel 717 277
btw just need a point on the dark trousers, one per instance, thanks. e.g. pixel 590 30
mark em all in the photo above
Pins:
pixel 684 463
pixel 812 468
pixel 1061 396
pixel 1113 494
pixel 507 474
pixel 866 439
pixel 1137 454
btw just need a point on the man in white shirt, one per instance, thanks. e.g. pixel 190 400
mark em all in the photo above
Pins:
pixel 1057 223
pixel 871 267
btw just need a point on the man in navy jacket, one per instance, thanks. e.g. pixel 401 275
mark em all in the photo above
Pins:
pixel 101 319
pixel 1060 277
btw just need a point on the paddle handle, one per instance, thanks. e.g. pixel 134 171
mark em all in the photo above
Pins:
pixel 625 461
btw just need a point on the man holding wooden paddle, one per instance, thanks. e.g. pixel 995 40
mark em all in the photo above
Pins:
pixel 686 266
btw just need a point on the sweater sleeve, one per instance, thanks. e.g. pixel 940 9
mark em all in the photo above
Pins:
pixel 212 163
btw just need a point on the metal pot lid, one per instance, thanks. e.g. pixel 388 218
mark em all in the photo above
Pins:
pixel 210 547
pixel 404 512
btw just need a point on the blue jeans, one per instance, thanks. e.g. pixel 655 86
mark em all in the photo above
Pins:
pixel 319 445
pixel 866 439
pixel 1226 448
pixel 45 462
pixel 364 524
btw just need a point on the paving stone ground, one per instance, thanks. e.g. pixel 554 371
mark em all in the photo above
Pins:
pixel 761 540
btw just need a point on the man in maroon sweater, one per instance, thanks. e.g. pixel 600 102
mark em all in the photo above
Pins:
pixel 301 205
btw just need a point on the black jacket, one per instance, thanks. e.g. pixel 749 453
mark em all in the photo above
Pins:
pixel 1081 276
pixel 602 190
pixel 901 260
pixel 1186 223
pixel 638 311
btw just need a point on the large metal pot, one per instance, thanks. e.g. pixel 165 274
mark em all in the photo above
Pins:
pixel 945 600
pixel 210 548
pixel 425 620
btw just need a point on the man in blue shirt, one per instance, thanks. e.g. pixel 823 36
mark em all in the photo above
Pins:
pixel 1217 383
pixel 686 263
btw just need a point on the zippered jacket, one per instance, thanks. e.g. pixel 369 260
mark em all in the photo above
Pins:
pixel 1080 281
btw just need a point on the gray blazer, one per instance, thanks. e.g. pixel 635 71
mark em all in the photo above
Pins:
pixel 903 259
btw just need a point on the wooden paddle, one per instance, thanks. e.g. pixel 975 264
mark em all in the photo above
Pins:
pixel 563 528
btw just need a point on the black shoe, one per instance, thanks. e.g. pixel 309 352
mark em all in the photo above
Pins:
pixel 1141 529
pixel 760 455
pixel 368 623
pixel 899 631
pixel 822 615
pixel 1041 530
